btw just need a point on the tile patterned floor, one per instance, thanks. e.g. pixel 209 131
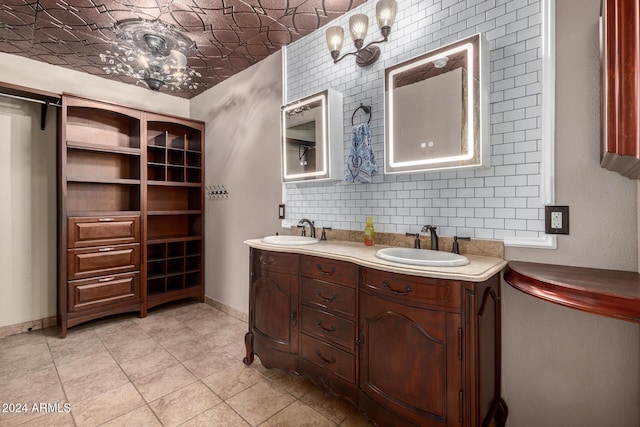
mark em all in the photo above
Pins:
pixel 179 366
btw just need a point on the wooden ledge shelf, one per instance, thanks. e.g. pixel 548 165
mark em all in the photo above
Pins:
pixel 610 293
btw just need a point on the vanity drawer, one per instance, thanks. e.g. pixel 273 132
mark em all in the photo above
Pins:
pixel 102 261
pixel 422 290
pixel 275 261
pixel 329 327
pixel 100 291
pixel 330 270
pixel 100 231
pixel 329 296
pixel 326 356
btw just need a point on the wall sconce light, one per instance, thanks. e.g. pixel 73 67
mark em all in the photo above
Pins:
pixel 358 26
pixel 153 52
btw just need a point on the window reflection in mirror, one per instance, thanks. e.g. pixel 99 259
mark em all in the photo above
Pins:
pixel 436 109
pixel 309 127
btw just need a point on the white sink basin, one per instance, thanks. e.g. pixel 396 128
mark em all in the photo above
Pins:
pixel 423 257
pixel 289 240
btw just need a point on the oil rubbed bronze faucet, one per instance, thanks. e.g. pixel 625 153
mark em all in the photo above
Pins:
pixel 434 236
pixel 312 228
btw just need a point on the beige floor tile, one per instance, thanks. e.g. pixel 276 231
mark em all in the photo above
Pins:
pixel 260 401
pixel 233 380
pixel 184 404
pixel 156 361
pixel 76 345
pixel 21 367
pixel 159 324
pixel 106 406
pixel 294 384
pixel 220 415
pixel 298 415
pixel 20 351
pixel 85 366
pixel 127 333
pixel 236 349
pixel 226 336
pixel 133 349
pixel 94 383
pixel 42 386
pixel 55 419
pixel 21 339
pixel 142 416
pixel 160 383
pixel 38 386
pixel 337 410
pixel 186 347
pixel 112 325
pixel 210 362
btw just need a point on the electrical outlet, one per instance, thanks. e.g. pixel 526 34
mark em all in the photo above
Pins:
pixel 556 219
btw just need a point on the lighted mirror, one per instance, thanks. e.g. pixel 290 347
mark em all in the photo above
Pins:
pixel 436 109
pixel 312 137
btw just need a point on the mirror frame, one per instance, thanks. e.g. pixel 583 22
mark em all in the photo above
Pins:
pixel 331 135
pixel 477 115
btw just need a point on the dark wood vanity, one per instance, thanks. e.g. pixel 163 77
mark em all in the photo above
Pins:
pixel 406 350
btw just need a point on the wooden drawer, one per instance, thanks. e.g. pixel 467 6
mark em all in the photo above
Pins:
pixel 275 261
pixel 102 261
pixel 326 356
pixel 100 291
pixel 330 270
pixel 329 327
pixel 329 296
pixel 422 290
pixel 85 232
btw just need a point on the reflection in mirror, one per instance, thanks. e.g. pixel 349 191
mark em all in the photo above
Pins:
pixel 436 109
pixel 306 136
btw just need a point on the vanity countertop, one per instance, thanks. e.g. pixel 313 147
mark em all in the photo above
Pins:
pixel 479 269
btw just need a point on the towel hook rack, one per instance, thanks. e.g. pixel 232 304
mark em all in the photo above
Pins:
pixel 365 108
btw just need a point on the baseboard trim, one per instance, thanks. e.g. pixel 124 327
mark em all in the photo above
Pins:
pixel 226 309
pixel 29 326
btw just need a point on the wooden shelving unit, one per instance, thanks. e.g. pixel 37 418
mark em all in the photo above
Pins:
pixel 131 202
pixel 174 215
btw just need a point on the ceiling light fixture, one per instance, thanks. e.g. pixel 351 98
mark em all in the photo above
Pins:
pixel 358 26
pixel 153 52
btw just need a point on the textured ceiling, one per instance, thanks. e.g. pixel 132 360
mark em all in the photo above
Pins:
pixel 230 35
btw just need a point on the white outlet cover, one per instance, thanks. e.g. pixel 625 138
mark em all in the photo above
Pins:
pixel 556 220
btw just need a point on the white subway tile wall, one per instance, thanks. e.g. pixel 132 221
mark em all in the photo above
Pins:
pixel 492 203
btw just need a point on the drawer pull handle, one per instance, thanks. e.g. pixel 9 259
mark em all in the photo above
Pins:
pixel 105 219
pixel 326 272
pixel 331 329
pixel 330 299
pixel 266 261
pixel 106 279
pixel 407 290
pixel 105 249
pixel 324 359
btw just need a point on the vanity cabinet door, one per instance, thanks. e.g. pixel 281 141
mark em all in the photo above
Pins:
pixel 409 364
pixel 273 310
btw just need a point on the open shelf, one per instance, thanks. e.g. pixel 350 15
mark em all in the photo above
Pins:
pixel 81 145
pixel 102 196
pixel 174 198
pixel 95 127
pixel 101 166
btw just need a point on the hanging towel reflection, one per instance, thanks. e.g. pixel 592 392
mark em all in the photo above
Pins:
pixel 361 162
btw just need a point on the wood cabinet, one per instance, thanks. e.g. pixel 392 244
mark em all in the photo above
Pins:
pixel 129 237
pixel 174 209
pixel 405 350
pixel 273 310
pixel 620 86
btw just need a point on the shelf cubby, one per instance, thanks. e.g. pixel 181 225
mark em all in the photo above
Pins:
pixel 97 197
